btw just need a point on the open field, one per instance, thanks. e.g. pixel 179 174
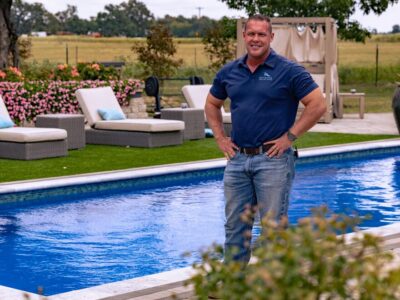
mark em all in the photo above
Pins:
pixel 88 49
pixel 191 50
pixel 364 55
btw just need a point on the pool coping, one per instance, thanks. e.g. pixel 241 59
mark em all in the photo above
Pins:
pixel 165 281
pixel 88 178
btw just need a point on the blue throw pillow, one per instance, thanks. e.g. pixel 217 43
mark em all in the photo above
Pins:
pixel 208 132
pixel 111 114
pixel 6 122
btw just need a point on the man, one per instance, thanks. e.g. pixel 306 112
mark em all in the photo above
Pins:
pixel 265 89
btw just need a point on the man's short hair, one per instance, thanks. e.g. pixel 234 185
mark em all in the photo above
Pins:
pixel 259 17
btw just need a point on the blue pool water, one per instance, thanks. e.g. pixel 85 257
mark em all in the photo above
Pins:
pixel 120 230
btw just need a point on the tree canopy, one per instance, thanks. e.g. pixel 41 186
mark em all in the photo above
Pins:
pixel 130 18
pixel 340 10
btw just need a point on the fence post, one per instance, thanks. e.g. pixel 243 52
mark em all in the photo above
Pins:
pixel 66 53
pixel 376 64
pixel 195 58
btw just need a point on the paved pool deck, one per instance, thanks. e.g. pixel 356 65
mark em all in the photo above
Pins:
pixel 164 285
pixel 373 123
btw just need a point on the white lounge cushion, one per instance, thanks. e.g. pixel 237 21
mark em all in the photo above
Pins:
pixel 93 99
pixel 145 125
pixel 226 118
pixel 31 134
pixel 196 96
pixel 3 110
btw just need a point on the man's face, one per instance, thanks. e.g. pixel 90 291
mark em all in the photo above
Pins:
pixel 258 39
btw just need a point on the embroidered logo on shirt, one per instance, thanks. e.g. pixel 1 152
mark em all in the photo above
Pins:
pixel 265 76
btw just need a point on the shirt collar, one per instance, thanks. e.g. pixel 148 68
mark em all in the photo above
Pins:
pixel 269 62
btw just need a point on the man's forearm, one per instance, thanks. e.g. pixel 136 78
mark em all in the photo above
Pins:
pixel 310 116
pixel 214 120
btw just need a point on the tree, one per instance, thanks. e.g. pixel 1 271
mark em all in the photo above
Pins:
pixel 33 17
pixel 70 22
pixel 130 18
pixel 156 55
pixel 340 10
pixel 8 37
pixel 185 27
pixel 396 28
pixel 219 42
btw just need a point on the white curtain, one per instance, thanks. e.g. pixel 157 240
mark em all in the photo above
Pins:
pixel 302 45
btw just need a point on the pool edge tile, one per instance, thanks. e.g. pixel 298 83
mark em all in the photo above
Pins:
pixel 64 181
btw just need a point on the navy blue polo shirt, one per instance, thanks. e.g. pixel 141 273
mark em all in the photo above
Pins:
pixel 264 103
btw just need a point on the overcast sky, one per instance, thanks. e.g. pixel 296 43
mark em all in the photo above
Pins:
pixel 212 8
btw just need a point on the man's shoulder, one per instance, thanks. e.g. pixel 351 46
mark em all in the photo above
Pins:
pixel 228 67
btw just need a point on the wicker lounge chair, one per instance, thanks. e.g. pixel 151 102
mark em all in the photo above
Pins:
pixel 29 143
pixel 124 132
pixel 196 96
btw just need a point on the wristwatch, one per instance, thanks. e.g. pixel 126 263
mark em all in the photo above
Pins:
pixel 291 137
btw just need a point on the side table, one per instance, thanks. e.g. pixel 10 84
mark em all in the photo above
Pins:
pixel 74 124
pixel 193 118
pixel 361 103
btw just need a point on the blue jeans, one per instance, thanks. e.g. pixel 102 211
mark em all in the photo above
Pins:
pixel 251 180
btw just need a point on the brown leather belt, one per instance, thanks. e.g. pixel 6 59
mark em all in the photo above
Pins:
pixel 255 150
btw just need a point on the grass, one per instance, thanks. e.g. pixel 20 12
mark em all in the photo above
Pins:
pixel 378 99
pixel 351 54
pixel 96 158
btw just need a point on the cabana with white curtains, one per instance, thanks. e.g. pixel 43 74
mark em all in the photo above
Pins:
pixel 312 43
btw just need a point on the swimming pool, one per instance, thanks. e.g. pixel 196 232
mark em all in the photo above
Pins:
pixel 142 226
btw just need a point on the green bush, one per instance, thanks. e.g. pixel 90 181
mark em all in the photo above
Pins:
pixel 49 71
pixel 11 74
pixel 35 71
pixel 306 261
pixel 95 71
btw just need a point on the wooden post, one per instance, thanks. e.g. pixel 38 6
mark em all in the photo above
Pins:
pixel 376 64
pixel 66 53
pixel 240 46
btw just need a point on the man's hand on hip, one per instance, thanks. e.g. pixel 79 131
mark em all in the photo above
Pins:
pixel 227 147
pixel 280 145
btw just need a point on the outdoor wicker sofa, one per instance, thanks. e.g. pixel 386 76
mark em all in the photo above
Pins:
pixel 121 131
pixel 196 96
pixel 29 143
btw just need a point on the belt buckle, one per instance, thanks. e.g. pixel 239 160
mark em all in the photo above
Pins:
pixel 246 151
pixel 253 151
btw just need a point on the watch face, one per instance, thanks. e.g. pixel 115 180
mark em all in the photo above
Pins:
pixel 291 136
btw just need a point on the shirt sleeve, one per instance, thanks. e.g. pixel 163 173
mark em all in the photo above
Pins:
pixel 302 82
pixel 218 89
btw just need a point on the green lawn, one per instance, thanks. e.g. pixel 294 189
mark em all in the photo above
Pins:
pixel 377 98
pixel 96 158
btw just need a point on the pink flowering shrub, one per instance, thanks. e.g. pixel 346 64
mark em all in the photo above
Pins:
pixel 26 100
pixel 65 72
pixel 12 74
pixel 93 71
